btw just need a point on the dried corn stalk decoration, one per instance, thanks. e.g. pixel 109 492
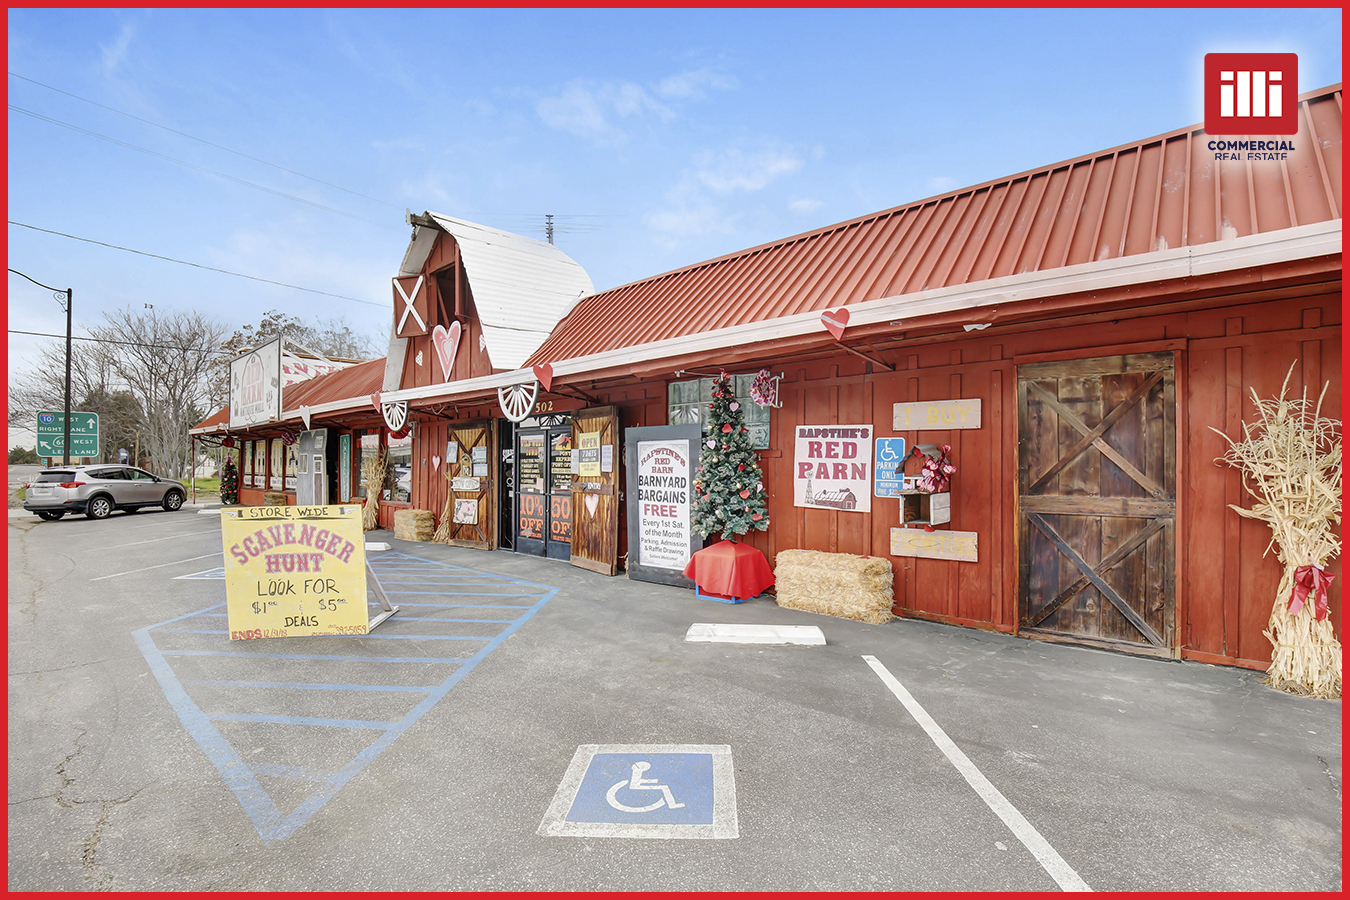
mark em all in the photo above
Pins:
pixel 1290 459
pixel 442 535
pixel 374 473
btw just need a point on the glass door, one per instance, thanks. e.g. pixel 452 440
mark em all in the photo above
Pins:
pixel 531 521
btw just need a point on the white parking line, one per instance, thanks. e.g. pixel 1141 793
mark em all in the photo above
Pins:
pixel 153 540
pixel 1024 831
pixel 160 566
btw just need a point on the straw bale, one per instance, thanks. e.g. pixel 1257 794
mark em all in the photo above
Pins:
pixel 836 584
pixel 414 524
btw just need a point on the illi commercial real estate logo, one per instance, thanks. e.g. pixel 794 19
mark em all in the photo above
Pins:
pixel 1255 96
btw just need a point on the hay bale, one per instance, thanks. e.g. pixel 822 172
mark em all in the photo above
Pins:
pixel 274 498
pixel 836 584
pixel 414 524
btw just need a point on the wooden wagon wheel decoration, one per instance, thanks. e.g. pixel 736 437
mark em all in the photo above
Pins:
pixel 395 414
pixel 517 401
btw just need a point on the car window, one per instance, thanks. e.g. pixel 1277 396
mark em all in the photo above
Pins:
pixel 44 477
pixel 108 474
pixel 138 475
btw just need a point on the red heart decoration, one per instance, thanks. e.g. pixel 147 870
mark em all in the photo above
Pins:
pixel 740 468
pixel 726 429
pixel 545 375
pixel 375 399
pixel 446 342
pixel 745 495
pixel 836 320
pixel 756 517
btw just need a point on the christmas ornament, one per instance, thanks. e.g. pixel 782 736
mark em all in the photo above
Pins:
pixel 725 503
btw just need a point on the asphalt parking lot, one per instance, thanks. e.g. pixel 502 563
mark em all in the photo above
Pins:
pixel 148 752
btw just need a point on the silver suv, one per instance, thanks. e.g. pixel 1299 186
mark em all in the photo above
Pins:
pixel 98 489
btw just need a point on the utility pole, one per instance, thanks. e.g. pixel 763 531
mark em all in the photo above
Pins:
pixel 66 298
pixel 548 226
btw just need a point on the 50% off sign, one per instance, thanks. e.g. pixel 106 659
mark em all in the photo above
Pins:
pixel 296 571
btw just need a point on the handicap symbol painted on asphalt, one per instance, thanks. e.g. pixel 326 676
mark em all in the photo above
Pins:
pixel 646 791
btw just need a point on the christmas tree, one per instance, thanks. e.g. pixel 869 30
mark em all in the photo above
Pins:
pixel 729 489
pixel 229 483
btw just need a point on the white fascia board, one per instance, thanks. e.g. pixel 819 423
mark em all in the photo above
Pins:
pixel 1286 245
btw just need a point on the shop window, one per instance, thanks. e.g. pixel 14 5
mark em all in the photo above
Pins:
pixel 292 452
pixel 687 401
pixel 400 465
pixel 260 464
pixel 278 465
pixel 369 449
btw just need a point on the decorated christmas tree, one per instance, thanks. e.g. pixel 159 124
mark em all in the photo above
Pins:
pixel 729 489
pixel 229 483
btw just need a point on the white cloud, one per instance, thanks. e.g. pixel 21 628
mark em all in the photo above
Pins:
pixel 590 111
pixel 115 54
pixel 736 170
pixel 942 183
pixel 805 205
pixel 691 85
pixel 690 221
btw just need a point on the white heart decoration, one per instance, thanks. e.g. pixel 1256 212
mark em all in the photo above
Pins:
pixel 734 406
pixel 592 502
pixel 435 463
pixel 711 444
pixel 419 357
pixel 482 341
pixel 446 342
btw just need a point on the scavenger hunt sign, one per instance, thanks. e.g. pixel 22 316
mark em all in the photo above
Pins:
pixel 663 474
pixel 832 467
pixel 294 571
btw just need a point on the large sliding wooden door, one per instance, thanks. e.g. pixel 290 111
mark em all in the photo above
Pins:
pixel 1097 501
pixel 471 462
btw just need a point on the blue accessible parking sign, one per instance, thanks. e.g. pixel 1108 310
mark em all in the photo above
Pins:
pixel 646 791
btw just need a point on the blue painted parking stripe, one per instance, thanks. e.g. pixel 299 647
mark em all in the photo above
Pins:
pixel 424 637
pixel 300 720
pixel 307 686
pixel 378 659
pixel 242 776
pixel 462 593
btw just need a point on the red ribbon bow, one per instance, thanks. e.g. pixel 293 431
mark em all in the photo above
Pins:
pixel 1306 579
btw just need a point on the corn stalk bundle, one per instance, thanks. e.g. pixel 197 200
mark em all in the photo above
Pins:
pixel 1290 459
pixel 374 473
pixel 442 535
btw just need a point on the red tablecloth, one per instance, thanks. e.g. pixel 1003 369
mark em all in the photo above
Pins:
pixel 730 569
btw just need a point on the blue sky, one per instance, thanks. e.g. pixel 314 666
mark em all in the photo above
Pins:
pixel 657 138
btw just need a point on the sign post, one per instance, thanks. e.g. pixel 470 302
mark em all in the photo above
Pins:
pixel 51 427
pixel 296 571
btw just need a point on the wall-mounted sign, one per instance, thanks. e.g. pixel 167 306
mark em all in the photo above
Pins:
pixel 890 475
pixel 961 546
pixel 937 415
pixel 465 483
pixel 588 448
pixel 466 512
pixel 294 571
pixel 832 467
pixel 606 457
pixel 255 386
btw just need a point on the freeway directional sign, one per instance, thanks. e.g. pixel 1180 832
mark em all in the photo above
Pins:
pixel 83 434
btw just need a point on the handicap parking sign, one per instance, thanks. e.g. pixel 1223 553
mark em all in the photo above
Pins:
pixel 645 791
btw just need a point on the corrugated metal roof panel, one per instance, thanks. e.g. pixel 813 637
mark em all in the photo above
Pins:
pixel 1164 192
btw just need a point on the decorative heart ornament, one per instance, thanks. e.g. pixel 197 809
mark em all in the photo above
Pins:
pixel 435 463
pixel 419 357
pixel 733 406
pixel 544 374
pixel 836 320
pixel 745 495
pixel 482 341
pixel 446 342
pixel 375 400
pixel 592 503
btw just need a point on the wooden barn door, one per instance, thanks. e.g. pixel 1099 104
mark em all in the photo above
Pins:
pixel 595 490
pixel 1097 501
pixel 473 465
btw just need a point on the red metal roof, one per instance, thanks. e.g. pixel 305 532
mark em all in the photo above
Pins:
pixel 356 382
pixel 1164 192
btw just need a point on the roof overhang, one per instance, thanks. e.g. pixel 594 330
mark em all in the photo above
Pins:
pixel 1321 239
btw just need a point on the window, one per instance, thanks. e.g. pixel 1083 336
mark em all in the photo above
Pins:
pixel 370 448
pixel 400 465
pixel 687 401
pixel 278 464
pixel 292 452
pixel 260 464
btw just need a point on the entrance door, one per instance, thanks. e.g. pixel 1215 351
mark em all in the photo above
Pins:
pixel 595 490
pixel 1097 501
pixel 543 472
pixel 469 461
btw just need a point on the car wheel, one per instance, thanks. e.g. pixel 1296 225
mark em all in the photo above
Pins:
pixel 173 500
pixel 51 515
pixel 99 508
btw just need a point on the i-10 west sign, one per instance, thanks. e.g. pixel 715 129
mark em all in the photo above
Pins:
pixel 51 428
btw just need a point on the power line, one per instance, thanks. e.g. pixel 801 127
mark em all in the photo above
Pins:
pixel 158 155
pixel 123 343
pixel 195 265
pixel 208 143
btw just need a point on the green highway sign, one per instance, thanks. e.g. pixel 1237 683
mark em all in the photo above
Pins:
pixel 51 428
